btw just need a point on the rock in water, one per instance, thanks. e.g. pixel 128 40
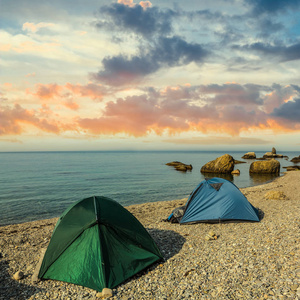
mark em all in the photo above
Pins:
pixel 265 167
pixel 273 150
pixel 236 172
pixel 295 159
pixel 222 164
pixel 249 155
pixel 179 166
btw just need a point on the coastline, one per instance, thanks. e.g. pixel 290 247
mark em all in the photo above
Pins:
pixel 248 260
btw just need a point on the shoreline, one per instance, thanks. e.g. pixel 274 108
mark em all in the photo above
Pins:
pixel 132 205
pixel 248 260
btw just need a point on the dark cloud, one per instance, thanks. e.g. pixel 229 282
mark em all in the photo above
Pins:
pixel 281 52
pixel 289 111
pixel 146 22
pixel 272 6
pixel 167 52
pixel 267 27
pixel 232 93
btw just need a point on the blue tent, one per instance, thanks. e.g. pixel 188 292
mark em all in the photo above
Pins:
pixel 216 200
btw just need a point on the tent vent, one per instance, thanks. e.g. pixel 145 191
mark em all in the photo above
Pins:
pixel 216 186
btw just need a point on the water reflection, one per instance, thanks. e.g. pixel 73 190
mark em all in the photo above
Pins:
pixel 212 175
pixel 257 179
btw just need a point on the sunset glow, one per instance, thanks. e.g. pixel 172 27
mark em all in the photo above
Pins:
pixel 112 75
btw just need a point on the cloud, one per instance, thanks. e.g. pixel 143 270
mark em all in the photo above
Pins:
pixel 233 93
pixel 36 27
pixel 167 52
pixel 53 90
pixel 281 52
pixel 13 119
pixel 90 90
pixel 290 111
pixel 47 91
pixel 127 16
pixel 272 7
pixel 229 108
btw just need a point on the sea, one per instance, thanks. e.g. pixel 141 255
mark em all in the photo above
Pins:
pixel 41 185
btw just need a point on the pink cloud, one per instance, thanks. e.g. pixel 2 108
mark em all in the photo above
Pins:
pixel 145 4
pixel 47 91
pixel 176 109
pixel 13 119
pixel 91 90
pixel 53 90
pixel 127 2
pixel 130 3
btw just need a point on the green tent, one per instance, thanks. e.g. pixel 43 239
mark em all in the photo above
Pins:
pixel 98 244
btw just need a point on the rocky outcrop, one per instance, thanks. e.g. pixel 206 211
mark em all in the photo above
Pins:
pixel 239 162
pixel 292 168
pixel 271 155
pixel 265 167
pixel 249 155
pixel 222 164
pixel 179 166
pixel 296 159
pixel 273 150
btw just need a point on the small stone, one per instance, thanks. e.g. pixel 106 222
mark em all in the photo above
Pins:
pixel 107 293
pixel 275 195
pixel 99 295
pixel 19 275
pixel 211 233
pixel 236 172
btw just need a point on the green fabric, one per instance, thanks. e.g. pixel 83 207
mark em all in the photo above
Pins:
pixel 97 243
pixel 81 262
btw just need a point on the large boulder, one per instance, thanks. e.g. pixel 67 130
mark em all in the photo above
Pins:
pixel 273 150
pixel 249 155
pixel 265 167
pixel 222 164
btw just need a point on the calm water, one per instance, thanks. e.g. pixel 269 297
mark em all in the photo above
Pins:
pixel 39 185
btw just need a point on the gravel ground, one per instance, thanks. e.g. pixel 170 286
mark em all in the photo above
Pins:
pixel 246 261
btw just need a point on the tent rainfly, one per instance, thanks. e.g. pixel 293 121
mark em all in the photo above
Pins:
pixel 97 243
pixel 215 200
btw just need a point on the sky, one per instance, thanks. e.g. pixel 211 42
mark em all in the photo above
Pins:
pixel 149 75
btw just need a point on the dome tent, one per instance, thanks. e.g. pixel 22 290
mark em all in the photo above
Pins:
pixel 98 244
pixel 217 200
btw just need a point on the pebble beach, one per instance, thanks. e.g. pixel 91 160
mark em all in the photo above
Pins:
pixel 246 260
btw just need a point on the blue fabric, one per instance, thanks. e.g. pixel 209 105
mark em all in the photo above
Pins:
pixel 228 203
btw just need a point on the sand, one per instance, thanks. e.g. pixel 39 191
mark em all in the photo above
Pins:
pixel 247 261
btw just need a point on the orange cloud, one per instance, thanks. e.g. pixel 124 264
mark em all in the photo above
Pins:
pixel 127 2
pixel 13 119
pixel 145 4
pixel 207 109
pixel 91 90
pixel 179 109
pixel 47 91
pixel 71 105
pixel 53 90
